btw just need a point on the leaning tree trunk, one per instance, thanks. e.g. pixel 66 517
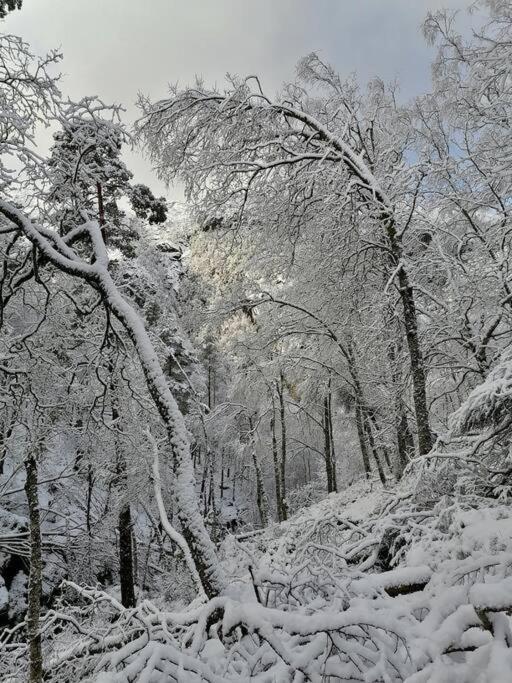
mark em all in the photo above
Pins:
pixel 35 579
pixel 96 274
pixel 373 423
pixel 194 531
pixel 373 449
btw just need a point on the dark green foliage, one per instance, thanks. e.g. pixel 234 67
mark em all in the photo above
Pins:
pixel 125 237
pixel 8 6
pixel 146 205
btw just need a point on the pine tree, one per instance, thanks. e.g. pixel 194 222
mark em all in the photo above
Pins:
pixel 146 206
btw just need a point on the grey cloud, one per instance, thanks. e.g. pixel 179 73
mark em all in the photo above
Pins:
pixel 115 48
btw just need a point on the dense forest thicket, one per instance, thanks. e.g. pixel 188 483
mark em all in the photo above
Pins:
pixel 264 435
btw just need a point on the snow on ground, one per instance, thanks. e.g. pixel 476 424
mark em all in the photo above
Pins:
pixel 367 585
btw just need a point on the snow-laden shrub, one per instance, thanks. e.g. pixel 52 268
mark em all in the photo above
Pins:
pixel 304 496
pixel 367 585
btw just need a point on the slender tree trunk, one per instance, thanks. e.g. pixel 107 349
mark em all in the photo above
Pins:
pixel 425 438
pixel 327 446
pixel 210 385
pixel 135 558
pixel 373 449
pixel 282 414
pixel 374 425
pixel 400 427
pixel 333 452
pixel 35 581
pixel 126 557
pixel 8 427
pixel 126 575
pixel 88 504
pixel 204 479
pixel 359 408
pixel 362 440
pixel 385 453
pixel 277 469
pixel 101 209
pixel 261 496
pixel 222 474
pixel 404 438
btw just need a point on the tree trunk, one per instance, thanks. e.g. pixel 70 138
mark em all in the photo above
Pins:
pixel 126 575
pixel 403 434
pixel 210 385
pixel 261 496
pixel 327 446
pixel 374 425
pixel 221 487
pixel 277 469
pixel 373 449
pixel 88 503
pixel 362 440
pixel 192 524
pixel 425 439
pixel 359 408
pixel 98 276
pixel 8 427
pixel 331 437
pixel 282 414
pixel 35 655
pixel 101 209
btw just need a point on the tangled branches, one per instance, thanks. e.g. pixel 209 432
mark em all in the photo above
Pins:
pixel 307 608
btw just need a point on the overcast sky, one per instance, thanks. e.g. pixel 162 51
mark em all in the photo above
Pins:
pixel 115 48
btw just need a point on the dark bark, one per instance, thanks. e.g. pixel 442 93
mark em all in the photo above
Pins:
pixel 35 655
pixel 327 446
pixel 9 426
pixel 277 469
pixel 405 289
pixel 373 449
pixel 282 415
pixel 362 440
pixel 374 426
pixel 101 208
pixel 88 503
pixel 126 574
pixel 359 407
pixel 210 386
pixel 261 497
pixel 333 452
pixel 405 442
pixel 222 475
